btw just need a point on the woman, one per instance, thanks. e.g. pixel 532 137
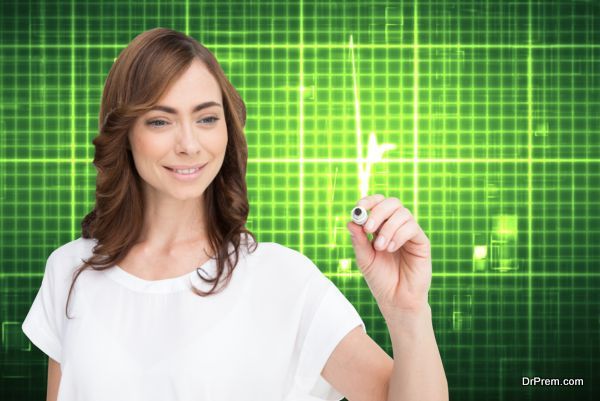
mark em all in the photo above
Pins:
pixel 254 321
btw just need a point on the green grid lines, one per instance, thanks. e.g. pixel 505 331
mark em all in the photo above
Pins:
pixel 482 117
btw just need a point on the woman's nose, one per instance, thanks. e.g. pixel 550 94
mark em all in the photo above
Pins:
pixel 187 139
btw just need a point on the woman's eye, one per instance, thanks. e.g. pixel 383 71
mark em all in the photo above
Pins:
pixel 153 123
pixel 213 119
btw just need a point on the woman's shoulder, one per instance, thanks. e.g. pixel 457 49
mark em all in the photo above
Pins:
pixel 273 257
pixel 79 247
pixel 65 259
pixel 275 249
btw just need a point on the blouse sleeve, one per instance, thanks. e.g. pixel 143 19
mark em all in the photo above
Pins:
pixel 329 316
pixel 41 323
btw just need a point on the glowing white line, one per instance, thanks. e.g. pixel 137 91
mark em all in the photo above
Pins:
pixel 374 151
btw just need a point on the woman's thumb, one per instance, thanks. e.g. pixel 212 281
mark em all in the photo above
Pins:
pixel 361 244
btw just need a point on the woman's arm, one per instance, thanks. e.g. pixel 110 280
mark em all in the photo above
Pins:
pixel 397 267
pixel 54 375
pixel 418 373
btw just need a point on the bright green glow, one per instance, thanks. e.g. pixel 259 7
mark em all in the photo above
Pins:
pixel 345 264
pixel 480 252
pixel 506 225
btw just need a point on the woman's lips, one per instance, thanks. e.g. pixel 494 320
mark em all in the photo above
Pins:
pixel 185 177
pixel 185 167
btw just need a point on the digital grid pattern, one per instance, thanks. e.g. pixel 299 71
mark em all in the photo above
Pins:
pixel 482 117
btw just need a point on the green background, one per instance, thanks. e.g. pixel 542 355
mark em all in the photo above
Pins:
pixel 484 117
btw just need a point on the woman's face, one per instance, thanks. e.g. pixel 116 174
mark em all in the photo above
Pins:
pixel 185 130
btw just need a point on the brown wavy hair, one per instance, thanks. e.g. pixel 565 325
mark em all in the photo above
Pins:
pixel 136 81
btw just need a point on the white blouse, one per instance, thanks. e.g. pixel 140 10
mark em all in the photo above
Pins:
pixel 266 336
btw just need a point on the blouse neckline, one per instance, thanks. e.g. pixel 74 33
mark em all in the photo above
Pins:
pixel 167 285
pixel 207 270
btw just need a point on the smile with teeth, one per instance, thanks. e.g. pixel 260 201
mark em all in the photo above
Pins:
pixel 186 171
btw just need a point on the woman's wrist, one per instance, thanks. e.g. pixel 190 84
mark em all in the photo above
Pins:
pixel 408 322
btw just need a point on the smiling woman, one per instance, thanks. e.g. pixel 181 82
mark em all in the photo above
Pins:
pixel 148 319
pixel 172 130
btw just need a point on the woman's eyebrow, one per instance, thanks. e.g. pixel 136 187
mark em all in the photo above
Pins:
pixel 198 107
